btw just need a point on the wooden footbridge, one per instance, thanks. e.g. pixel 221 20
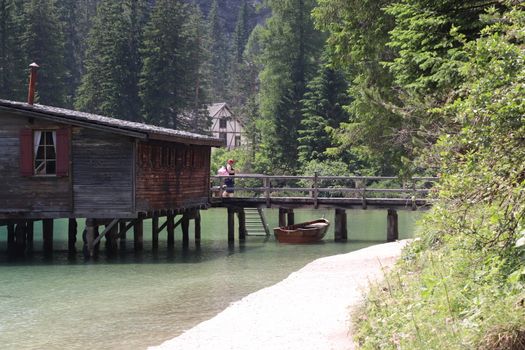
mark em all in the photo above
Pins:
pixel 329 192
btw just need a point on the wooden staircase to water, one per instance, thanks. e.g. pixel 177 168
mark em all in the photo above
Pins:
pixel 256 224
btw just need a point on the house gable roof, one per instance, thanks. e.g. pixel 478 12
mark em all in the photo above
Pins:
pixel 215 108
pixel 112 125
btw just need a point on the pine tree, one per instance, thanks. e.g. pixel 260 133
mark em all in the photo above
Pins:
pixel 12 66
pixel 43 43
pixel 323 108
pixel 219 54
pixel 290 47
pixel 109 86
pixel 171 84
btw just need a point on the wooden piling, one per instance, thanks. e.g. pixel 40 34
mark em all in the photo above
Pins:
pixel 10 237
pixel 197 228
pixel 30 235
pixel 185 225
pixel 340 229
pixel 231 225
pixel 111 239
pixel 282 217
pixel 291 217
pixel 171 229
pixel 122 230
pixel 47 235
pixel 90 238
pixel 392 233
pixel 20 238
pixel 138 234
pixel 155 232
pixel 72 235
pixel 241 215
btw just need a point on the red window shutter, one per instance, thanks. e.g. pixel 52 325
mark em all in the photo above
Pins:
pixel 62 150
pixel 26 152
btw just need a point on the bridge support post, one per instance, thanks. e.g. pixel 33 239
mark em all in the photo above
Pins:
pixel 282 217
pixel 242 224
pixel 340 230
pixel 291 217
pixel 231 225
pixel 392 233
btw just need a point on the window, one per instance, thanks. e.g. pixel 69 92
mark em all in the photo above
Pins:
pixel 222 123
pixel 45 152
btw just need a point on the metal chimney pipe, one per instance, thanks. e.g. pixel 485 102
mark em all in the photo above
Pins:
pixel 32 82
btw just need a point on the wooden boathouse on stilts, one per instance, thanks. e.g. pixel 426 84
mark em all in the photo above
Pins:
pixel 63 164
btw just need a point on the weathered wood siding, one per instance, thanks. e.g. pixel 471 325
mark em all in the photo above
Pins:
pixel 102 173
pixel 172 176
pixel 30 194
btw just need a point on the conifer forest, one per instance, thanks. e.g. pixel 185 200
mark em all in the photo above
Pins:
pixel 337 87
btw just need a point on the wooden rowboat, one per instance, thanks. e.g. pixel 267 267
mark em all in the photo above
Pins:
pixel 305 232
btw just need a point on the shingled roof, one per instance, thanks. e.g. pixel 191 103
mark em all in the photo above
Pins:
pixel 117 126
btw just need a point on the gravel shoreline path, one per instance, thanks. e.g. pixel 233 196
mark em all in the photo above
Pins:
pixel 308 310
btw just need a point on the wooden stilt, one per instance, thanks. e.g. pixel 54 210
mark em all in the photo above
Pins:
pixel 231 225
pixel 72 235
pixel 171 229
pixel 138 234
pixel 340 230
pixel 122 230
pixel 242 224
pixel 10 237
pixel 282 217
pixel 155 232
pixel 20 238
pixel 89 238
pixel 122 233
pixel 30 235
pixel 185 225
pixel 197 228
pixel 111 239
pixel 392 233
pixel 291 217
pixel 47 233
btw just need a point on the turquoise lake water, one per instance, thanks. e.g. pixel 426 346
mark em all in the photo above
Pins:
pixel 135 300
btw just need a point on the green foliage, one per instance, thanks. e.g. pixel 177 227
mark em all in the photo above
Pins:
pixel 171 86
pixel 12 65
pixel 323 108
pixel 462 286
pixel 42 42
pixel 358 37
pixel 109 86
pixel 290 46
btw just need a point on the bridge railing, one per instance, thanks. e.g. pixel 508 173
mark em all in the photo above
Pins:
pixel 365 187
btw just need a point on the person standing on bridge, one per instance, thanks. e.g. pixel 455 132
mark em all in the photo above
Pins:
pixel 229 182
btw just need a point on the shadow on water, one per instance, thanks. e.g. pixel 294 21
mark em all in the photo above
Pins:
pixel 194 254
